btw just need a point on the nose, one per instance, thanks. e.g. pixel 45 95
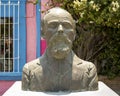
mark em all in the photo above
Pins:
pixel 60 29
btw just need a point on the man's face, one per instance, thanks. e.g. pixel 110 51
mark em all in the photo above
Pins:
pixel 59 35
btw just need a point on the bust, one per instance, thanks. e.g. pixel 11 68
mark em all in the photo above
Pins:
pixel 59 69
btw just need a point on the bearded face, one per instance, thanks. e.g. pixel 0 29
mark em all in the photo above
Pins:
pixel 59 32
pixel 60 37
pixel 59 46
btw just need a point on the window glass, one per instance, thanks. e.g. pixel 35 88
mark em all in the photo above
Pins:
pixel 6 44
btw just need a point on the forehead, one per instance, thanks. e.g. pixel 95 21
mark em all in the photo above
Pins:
pixel 59 19
pixel 58 15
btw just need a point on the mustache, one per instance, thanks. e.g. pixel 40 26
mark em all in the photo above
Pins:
pixel 59 39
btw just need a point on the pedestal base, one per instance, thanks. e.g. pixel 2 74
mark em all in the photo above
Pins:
pixel 15 90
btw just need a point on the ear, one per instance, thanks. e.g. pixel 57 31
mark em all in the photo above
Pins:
pixel 74 35
pixel 42 29
pixel 74 29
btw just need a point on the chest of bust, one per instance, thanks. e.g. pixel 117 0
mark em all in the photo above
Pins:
pixel 58 78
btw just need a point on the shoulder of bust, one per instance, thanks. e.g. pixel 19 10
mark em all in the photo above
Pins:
pixel 89 67
pixel 32 65
pixel 88 64
pixel 77 60
pixel 79 63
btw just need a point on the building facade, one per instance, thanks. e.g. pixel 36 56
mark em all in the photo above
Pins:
pixel 19 36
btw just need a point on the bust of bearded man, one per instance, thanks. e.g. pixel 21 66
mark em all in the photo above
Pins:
pixel 59 69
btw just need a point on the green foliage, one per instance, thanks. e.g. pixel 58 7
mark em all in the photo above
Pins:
pixel 98 32
pixel 111 53
pixel 100 12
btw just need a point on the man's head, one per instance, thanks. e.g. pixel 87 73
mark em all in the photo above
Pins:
pixel 59 29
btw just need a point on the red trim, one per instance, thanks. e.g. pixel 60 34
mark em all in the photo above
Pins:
pixel 43 46
pixel 4 86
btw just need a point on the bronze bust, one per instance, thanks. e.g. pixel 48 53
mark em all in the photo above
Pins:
pixel 59 69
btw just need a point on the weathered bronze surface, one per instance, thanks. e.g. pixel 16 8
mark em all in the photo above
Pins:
pixel 59 69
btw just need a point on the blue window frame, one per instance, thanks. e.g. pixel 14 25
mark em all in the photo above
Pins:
pixel 18 13
pixel 38 18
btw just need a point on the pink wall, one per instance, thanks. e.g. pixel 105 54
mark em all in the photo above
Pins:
pixel 43 6
pixel 31 31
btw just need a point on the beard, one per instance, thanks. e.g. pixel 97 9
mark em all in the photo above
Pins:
pixel 59 46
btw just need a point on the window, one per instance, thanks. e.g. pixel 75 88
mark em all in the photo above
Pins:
pixel 6 44
pixel 12 38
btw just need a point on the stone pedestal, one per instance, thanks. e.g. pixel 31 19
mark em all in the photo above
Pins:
pixel 15 90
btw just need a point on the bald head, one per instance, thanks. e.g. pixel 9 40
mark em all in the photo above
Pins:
pixel 58 12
